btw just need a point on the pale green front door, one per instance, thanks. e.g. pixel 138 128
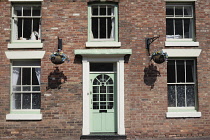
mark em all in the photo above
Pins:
pixel 103 102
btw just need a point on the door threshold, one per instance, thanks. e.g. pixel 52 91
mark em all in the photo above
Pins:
pixel 104 136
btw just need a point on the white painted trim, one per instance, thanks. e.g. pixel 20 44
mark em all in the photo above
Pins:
pixel 25 45
pixel 180 0
pixel 25 54
pixel 25 0
pixel 24 117
pixel 194 44
pixel 182 52
pixel 103 44
pixel 182 114
pixel 120 92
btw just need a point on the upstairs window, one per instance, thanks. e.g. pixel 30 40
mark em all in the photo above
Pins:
pixel 103 22
pixel 26 22
pixel 179 22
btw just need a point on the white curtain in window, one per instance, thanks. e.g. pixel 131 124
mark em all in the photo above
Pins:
pixel 15 76
pixel 38 73
pixel 113 24
pixel 15 26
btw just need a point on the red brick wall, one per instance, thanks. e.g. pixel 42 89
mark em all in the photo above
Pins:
pixel 145 96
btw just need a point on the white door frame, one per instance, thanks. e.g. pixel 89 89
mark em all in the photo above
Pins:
pixel 120 90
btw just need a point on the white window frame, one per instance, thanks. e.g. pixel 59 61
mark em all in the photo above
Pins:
pixel 14 38
pixel 183 41
pixel 23 114
pixel 109 42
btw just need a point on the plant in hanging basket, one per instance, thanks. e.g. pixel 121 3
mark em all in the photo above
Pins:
pixel 159 57
pixel 58 57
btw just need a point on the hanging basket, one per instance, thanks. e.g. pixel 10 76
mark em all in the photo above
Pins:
pixel 58 58
pixel 159 57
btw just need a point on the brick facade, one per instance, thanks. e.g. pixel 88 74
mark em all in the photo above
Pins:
pixel 145 91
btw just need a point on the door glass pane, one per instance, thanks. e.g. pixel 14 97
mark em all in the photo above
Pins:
pixel 102 105
pixel 36 100
pixel 190 95
pixel 110 89
pixel 181 95
pixel 102 89
pixel 26 101
pixel 95 97
pixel 110 105
pixel 103 97
pixel 96 89
pixel 171 96
pixel 180 71
pixel 96 105
pixel 110 97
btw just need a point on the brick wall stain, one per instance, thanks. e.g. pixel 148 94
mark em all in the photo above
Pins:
pixel 145 105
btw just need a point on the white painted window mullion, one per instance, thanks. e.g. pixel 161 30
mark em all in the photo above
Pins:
pixel 175 82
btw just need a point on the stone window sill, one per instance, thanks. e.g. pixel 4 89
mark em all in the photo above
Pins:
pixel 24 117
pixel 28 45
pixel 183 114
pixel 190 44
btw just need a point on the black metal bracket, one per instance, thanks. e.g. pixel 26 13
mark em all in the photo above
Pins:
pixel 60 45
pixel 149 41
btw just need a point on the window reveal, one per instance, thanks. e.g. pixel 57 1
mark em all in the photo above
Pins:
pixel 26 85
pixel 26 22
pixel 181 83
pixel 179 22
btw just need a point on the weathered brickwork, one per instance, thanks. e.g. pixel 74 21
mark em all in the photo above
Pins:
pixel 145 94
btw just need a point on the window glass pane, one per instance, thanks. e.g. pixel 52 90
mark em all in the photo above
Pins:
pixel 20 29
pixel 26 88
pixel 190 71
pixel 27 63
pixel 109 89
pixel 188 28
pixel 179 11
pixel 26 101
pixel 36 76
pixel 171 96
pixel 102 10
pixel 36 88
pixel 180 95
pixel 36 11
pixel 188 11
pixel 26 76
pixel 27 11
pixel 27 28
pixel 190 95
pixel 101 66
pixel 95 27
pixel 169 11
pixel 180 71
pixel 94 10
pixel 110 10
pixel 110 97
pixel 36 22
pixel 109 27
pixel 36 100
pixel 170 28
pixel 178 29
pixel 171 71
pixel 16 76
pixel 16 101
pixel 18 11
pixel 109 82
pixel 103 28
